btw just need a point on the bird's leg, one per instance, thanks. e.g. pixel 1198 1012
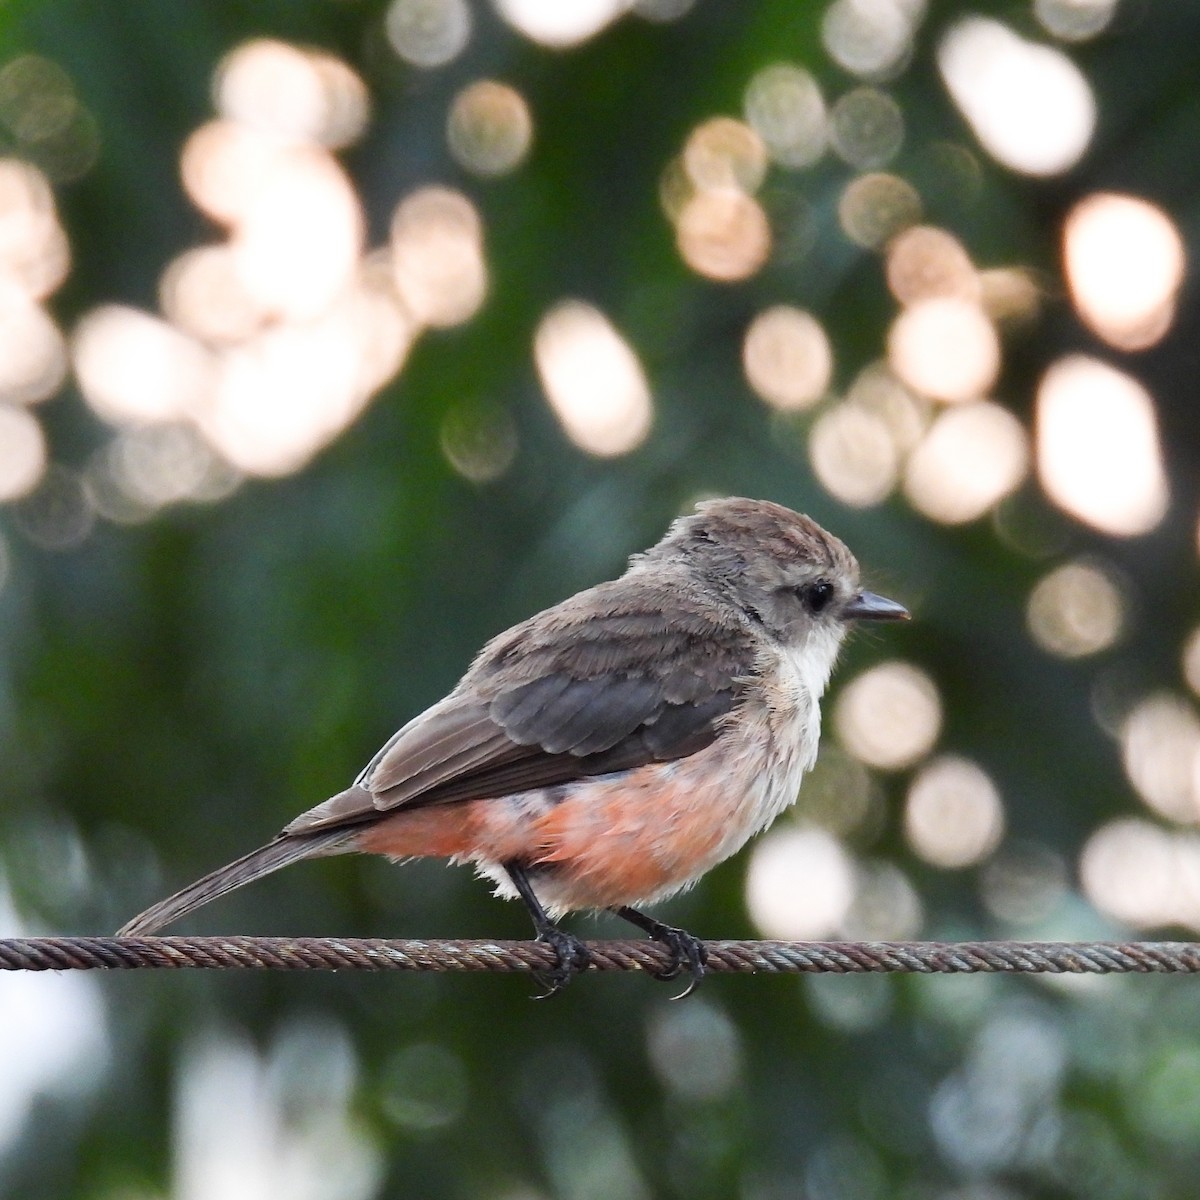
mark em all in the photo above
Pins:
pixel 571 953
pixel 686 950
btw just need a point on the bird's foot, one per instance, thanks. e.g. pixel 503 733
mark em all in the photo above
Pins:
pixel 687 950
pixel 572 955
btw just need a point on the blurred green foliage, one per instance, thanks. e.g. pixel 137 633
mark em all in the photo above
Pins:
pixel 171 692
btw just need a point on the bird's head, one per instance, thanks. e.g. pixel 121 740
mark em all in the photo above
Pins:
pixel 783 570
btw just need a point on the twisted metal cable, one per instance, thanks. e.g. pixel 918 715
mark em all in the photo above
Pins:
pixel 740 957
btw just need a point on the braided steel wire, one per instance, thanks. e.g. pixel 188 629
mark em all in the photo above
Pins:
pixel 737 957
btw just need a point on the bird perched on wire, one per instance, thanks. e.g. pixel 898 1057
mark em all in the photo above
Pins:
pixel 607 752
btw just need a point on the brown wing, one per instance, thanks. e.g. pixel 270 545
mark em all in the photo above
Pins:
pixel 617 677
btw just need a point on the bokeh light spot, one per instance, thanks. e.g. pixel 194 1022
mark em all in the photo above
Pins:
pixel 695 1051
pixel 800 884
pixel 662 11
pixel 945 348
pixel 1143 874
pixel 37 101
pixel 889 716
pixel 838 795
pixel 725 153
pixel 953 816
pixel 296 94
pixel 1124 263
pixel 886 906
pixel 132 366
pixel 71 154
pixel 55 1038
pixel 871 38
pixel 489 129
pixel 437 250
pixel 1097 446
pixel 296 220
pixel 43 115
pixel 1191 660
pixel 202 292
pixel 1074 20
pixel 59 513
pixel 592 379
pixel 424 1087
pixel 1030 106
pixel 37 98
pixel 853 454
pixel 428 33
pixel 33 356
pixel 554 23
pixel 723 235
pixel 784 105
pixel 971 458
pixel 1023 883
pixel 299 237
pixel 479 440
pixel 374 319
pixel 874 208
pixel 224 164
pixel 249 1123
pixel 787 358
pixel 1010 295
pixel 924 263
pixel 866 128
pixel 34 255
pixel 1160 749
pixel 876 390
pixel 22 452
pixel 674 189
pixel 156 465
pixel 1076 610
pixel 866 1003
pixel 282 395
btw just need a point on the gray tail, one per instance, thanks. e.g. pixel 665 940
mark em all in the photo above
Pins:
pixel 279 853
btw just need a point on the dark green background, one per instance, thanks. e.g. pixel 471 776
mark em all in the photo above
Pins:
pixel 171 693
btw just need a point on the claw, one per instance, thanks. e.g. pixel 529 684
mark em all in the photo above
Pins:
pixel 572 955
pixel 686 949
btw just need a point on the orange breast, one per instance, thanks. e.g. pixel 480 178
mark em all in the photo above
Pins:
pixel 623 839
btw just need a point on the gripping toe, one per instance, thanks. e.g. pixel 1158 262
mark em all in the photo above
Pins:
pixel 572 956
pixel 686 949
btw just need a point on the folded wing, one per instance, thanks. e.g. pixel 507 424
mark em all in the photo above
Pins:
pixel 608 681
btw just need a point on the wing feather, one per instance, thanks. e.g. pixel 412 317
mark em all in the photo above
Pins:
pixel 617 677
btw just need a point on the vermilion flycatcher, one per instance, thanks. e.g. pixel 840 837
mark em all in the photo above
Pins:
pixel 609 751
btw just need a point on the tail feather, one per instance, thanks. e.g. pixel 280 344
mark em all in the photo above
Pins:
pixel 279 853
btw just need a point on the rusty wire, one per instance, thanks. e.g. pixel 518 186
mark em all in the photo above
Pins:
pixel 739 957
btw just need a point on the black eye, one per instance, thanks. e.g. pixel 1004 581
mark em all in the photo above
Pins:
pixel 815 596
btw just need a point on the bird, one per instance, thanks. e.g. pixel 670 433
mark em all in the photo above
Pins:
pixel 607 752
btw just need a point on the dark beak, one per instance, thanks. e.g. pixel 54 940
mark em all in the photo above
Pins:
pixel 867 606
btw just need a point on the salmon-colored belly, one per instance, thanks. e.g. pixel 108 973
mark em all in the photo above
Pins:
pixel 619 839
